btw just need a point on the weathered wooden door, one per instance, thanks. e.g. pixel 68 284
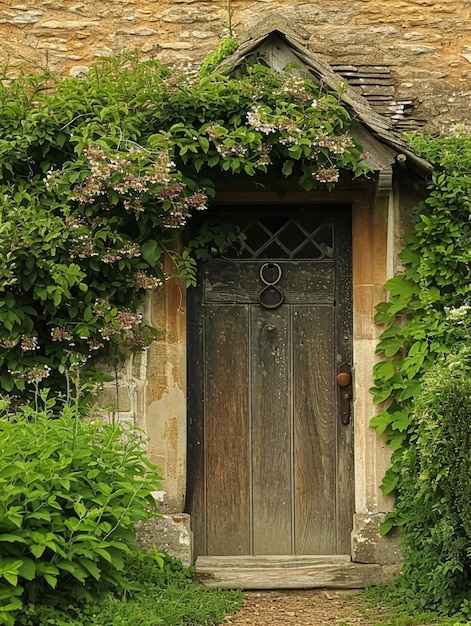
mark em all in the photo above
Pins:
pixel 270 454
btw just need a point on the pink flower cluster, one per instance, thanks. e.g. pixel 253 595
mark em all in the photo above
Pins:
pixel 176 217
pixel 134 204
pixel 8 343
pixel 94 345
pixel 259 118
pixel 128 250
pixel 147 282
pixel 296 86
pixel 29 343
pixel 170 192
pixel 215 131
pixel 198 201
pixel 82 247
pixel 101 307
pixel 123 321
pixel 336 144
pixel 129 175
pixel 126 319
pixel 33 375
pixel 264 156
pixel 137 175
pixel 60 334
pixel 327 175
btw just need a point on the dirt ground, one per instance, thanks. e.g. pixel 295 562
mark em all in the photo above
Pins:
pixel 304 608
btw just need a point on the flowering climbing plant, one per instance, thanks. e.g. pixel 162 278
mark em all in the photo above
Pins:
pixel 100 173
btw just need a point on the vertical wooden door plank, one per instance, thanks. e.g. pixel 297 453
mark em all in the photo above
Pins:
pixel 271 431
pixel 345 487
pixel 227 430
pixel 273 465
pixel 314 441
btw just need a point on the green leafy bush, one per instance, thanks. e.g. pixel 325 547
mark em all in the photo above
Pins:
pixel 159 594
pixel 427 391
pixel 70 493
pixel 436 280
pixel 434 501
pixel 98 175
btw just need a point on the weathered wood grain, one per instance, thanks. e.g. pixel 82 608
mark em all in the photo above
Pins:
pixel 279 573
pixel 271 431
pixel 277 466
pixel 227 458
pixel 315 431
pixel 344 354
pixel 227 282
pixel 269 561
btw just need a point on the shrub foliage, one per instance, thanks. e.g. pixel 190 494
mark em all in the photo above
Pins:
pixel 159 596
pixel 426 422
pixel 70 494
pixel 99 173
pixel 423 301
pixel 434 500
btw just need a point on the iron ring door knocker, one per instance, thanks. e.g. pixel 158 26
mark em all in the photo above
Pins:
pixel 271 296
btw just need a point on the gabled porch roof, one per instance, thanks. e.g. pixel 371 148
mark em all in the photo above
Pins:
pixel 281 43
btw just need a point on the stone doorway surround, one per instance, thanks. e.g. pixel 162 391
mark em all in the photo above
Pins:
pixel 155 390
pixel 151 388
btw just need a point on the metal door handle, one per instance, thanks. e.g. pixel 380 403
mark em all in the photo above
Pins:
pixel 345 391
pixel 344 379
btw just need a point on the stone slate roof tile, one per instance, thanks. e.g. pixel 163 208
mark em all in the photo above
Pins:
pixel 281 42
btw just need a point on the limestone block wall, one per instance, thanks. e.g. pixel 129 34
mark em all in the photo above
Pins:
pixel 149 391
pixel 427 46
pixel 378 235
pixel 426 43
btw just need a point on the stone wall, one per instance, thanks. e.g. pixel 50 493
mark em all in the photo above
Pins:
pixel 425 43
pixel 149 391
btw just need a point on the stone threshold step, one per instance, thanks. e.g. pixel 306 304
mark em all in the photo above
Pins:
pixel 286 572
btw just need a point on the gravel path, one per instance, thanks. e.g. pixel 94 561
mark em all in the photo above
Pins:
pixel 304 608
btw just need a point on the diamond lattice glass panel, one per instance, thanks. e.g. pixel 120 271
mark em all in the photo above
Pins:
pixel 256 237
pixel 292 235
pixel 284 236
pixel 273 223
pixel 319 245
pixel 274 251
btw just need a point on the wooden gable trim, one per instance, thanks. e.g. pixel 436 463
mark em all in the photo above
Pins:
pixel 282 48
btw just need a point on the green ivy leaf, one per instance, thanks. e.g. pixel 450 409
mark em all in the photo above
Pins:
pixel 380 394
pixel 389 483
pixel 151 252
pixel 287 168
pixel 384 370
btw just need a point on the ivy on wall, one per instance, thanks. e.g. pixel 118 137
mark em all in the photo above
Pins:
pixel 430 302
pixel 425 382
pixel 100 173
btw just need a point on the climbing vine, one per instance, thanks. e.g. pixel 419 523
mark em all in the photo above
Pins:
pixel 100 173
pixel 435 287
pixel 425 379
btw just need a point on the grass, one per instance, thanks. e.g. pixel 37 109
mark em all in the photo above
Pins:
pixel 166 597
pixel 383 609
pixel 170 597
